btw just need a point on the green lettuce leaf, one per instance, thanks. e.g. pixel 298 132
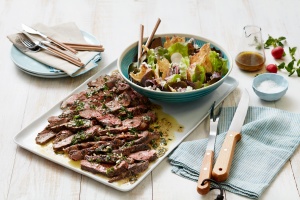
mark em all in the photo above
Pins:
pixel 219 64
pixel 151 58
pixel 199 74
pixel 180 48
pixel 183 66
pixel 174 78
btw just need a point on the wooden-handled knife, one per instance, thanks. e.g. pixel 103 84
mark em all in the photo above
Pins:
pixel 223 163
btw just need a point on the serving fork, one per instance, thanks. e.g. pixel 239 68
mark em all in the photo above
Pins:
pixel 35 45
pixel 203 185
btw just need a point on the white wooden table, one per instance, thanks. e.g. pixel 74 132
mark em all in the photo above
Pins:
pixel 116 24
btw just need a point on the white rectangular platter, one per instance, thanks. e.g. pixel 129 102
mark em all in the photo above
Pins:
pixel 189 115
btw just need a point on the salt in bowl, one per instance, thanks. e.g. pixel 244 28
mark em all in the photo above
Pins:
pixel 270 86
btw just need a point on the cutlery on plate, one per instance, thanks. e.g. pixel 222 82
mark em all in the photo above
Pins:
pixel 207 162
pixel 33 31
pixel 28 44
pixel 32 44
pixel 30 39
pixel 85 47
pixel 223 163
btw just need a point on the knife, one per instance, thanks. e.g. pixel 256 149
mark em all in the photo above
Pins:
pixel 33 31
pixel 56 52
pixel 223 163
pixel 207 162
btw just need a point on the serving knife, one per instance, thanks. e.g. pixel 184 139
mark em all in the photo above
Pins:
pixel 223 163
pixel 33 31
pixel 207 162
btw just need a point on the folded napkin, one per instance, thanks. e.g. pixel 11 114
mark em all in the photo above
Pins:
pixel 269 138
pixel 67 32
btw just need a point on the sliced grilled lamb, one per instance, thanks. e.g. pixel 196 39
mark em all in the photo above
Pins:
pixel 59 145
pixel 133 123
pixel 69 114
pixel 90 114
pixel 119 102
pixel 75 138
pixel 111 130
pixel 107 170
pixel 133 169
pixel 146 137
pixel 103 81
pixel 149 155
pixel 137 110
pixel 99 147
pixel 79 154
pixel 140 122
pixel 59 142
pixel 122 87
pixel 107 158
pixel 45 136
pixel 137 99
pixel 81 146
pixel 109 120
pixel 128 148
pixel 105 126
pixel 74 125
pixel 74 99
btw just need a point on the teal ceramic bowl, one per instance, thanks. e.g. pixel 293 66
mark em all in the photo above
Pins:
pixel 270 86
pixel 127 57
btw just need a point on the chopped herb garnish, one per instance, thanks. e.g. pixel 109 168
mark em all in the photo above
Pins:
pixel 110 171
pixel 79 122
pixel 79 106
pixel 78 137
pixel 163 141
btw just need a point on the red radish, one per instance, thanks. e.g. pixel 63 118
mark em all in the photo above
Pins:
pixel 277 52
pixel 272 68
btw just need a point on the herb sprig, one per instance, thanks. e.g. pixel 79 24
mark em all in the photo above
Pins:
pixel 274 42
pixel 291 67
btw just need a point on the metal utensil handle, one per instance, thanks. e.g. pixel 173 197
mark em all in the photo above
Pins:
pixel 62 45
pixel 223 163
pixel 205 172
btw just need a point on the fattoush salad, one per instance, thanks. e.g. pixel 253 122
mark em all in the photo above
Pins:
pixel 177 65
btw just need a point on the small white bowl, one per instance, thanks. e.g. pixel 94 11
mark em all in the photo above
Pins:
pixel 270 86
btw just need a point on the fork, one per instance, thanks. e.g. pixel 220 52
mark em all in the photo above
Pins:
pixel 27 42
pixel 203 185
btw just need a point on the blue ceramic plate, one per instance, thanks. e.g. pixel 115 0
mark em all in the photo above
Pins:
pixel 35 68
pixel 127 57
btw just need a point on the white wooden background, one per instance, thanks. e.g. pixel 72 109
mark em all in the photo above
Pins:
pixel 116 23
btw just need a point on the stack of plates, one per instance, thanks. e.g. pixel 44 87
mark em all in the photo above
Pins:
pixel 35 68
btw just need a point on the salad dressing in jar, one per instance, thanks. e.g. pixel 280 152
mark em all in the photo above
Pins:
pixel 250 61
pixel 251 56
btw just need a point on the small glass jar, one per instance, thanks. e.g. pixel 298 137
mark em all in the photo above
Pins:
pixel 251 56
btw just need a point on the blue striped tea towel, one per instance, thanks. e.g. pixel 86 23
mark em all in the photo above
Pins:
pixel 269 138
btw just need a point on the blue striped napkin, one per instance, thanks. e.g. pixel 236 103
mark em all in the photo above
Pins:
pixel 269 138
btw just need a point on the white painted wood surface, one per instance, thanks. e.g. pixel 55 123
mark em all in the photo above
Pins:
pixel 116 23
